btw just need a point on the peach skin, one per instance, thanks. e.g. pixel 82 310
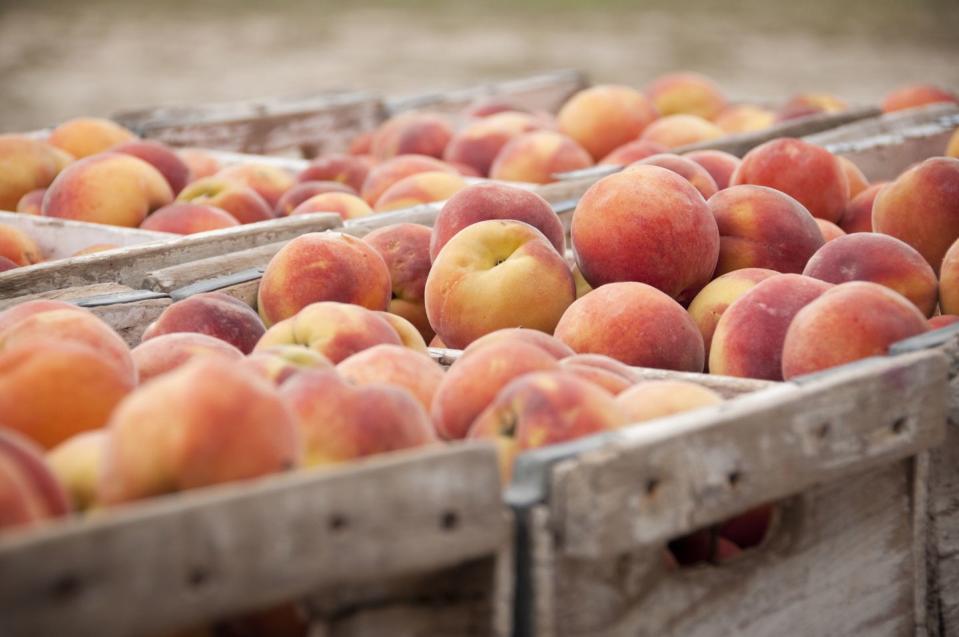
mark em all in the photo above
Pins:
pixel 29 492
pixel 535 157
pixel 85 136
pixel 212 313
pixel 687 93
pixel 603 118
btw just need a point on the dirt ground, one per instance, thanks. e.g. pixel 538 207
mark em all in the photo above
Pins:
pixel 60 59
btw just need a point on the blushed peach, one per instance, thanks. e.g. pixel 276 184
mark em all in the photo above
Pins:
pixel 29 492
pixel 26 165
pixel 478 143
pixel 631 152
pixel 410 337
pixel 949 280
pixel 212 313
pixel 806 104
pixel 689 170
pixel 270 182
pixel 163 158
pixel 30 203
pixel 660 398
pixel 349 170
pixel 718 295
pixel 857 181
pixel 535 157
pixel 85 136
pixel 362 144
pixel 394 365
pixel 17 246
pixel 419 189
pixel 164 353
pixel 346 205
pixel 674 131
pixel 719 164
pixel 829 230
pixel 200 162
pixel 188 218
pixel 542 340
pixel 303 191
pixel 391 171
pixel 744 118
pixel 915 95
pixel 278 363
pixel 603 118
pixel 858 214
pixel 413 133
pixel 687 93
pixel 244 203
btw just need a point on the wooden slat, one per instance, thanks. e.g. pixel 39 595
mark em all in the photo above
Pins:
pixel 179 276
pixel 175 561
pixel 709 465
pixel 895 124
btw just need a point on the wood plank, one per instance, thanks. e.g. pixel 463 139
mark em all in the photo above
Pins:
pixel 184 274
pixel 889 124
pixel 130 265
pixel 706 466
pixel 223 550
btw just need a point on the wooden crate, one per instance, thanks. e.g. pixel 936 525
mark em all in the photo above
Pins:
pixel 405 544
pixel 841 450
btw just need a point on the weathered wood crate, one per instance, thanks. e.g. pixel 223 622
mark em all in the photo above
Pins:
pixel 407 544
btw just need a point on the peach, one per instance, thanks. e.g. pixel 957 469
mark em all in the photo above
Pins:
pixel 949 280
pixel 21 311
pixel 200 162
pixel 601 361
pixel 212 313
pixel 30 203
pixel 541 409
pixel 660 398
pixel 648 225
pixel 829 230
pixel 189 218
pixel 17 246
pixel 52 389
pixel 748 340
pixel 414 133
pixel 614 383
pixel 952 148
pixel 535 157
pixel 478 143
pixel 809 173
pixel 29 492
pixel 763 228
pixel 937 322
pixel 473 381
pixel 164 353
pixel 915 95
pixel 747 529
pixel 85 136
pixel 546 342
pixel 720 165
pixel 77 463
pixel 96 247
pixel 674 131
pixel 409 335
pixel 482 202
pixel 279 362
pixel 689 170
pixel 344 204
pixel 322 266
pixel 419 189
pixel 244 203
pixel 603 118
pixel 718 295
pixel 880 259
pixel 582 286
pixel 381 177
pixel 851 321
pixel 631 152
pixel 465 170
pixel 495 274
pixel 744 118
pixel 362 144
pixel 857 181
pixel 394 365
pixel 336 330
pixel 405 248
pixel 686 93
pixel 7 264
pixel 26 165
pixel 487 107
pixel 348 170
pixel 270 182
pixel 303 191
pixel 163 158
pixel 636 324
pixel 921 208
pixel 339 422
pixel 806 104
pixel 111 188
pixel 858 214
pixel 207 423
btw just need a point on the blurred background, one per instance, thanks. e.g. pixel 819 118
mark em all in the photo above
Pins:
pixel 61 58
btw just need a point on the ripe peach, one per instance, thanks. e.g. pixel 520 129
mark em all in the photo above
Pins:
pixel 674 131
pixel 634 323
pixel 188 218
pixel 349 170
pixel 29 492
pixel 858 214
pixel 631 152
pixel 405 248
pixel 829 230
pixel 322 266
pixel 77 463
pixel 163 158
pixel 763 228
pixel 336 330
pixel 495 274
pixel 851 321
pixel 473 381
pixel 362 144
pixel 409 335
pixel 648 225
pixel 164 353
pixel 279 362
pixel 25 165
pixel 7 264
pixel 200 162
pixel 541 409
pixel 921 208
pixel 719 164
pixel 915 95
pixel 303 191
pixel 949 281
pixel 614 383
pixel 857 181
pixel 718 295
pixel 244 203
pixel 806 104
pixel 30 203
pixel 111 188
pixel 482 202
pixel 687 93
pixel 603 118
pixel 478 143
pixel 419 189
pixel 394 365
pixel 659 398
pixel 207 423
pixel 344 204
pixel 212 313
pixel 339 422
pixel 270 182
pixel 85 136
pixel 413 133
pixel 582 286
pixel 17 246
pixel 748 529
pixel 937 322
pixel 391 171
pixel 880 259
pixel 809 173
pixel 535 157
pixel 744 118
pixel 748 341
pixel 490 106
pixel 689 170
pixel 546 342
pixel 952 148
